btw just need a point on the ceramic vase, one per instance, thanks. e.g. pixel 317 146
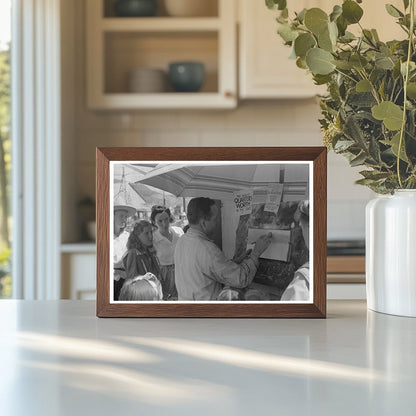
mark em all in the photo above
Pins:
pixel 391 253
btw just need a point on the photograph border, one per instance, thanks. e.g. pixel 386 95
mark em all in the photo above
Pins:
pixel 316 309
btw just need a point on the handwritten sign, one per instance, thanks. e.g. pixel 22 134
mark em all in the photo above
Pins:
pixel 243 201
pixel 274 196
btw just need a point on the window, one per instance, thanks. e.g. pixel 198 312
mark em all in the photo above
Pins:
pixel 5 148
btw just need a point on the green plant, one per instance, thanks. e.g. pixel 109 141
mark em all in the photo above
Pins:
pixel 369 113
pixel 5 279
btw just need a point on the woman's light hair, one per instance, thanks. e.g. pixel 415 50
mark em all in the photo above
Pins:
pixel 145 287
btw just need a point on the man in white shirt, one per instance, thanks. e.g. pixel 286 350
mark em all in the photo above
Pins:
pixel 121 214
pixel 201 268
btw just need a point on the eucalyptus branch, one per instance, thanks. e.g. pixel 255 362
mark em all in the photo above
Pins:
pixel 373 88
pixel 392 91
pixel 406 79
pixel 346 75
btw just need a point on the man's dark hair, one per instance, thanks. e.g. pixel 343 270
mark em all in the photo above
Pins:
pixel 198 209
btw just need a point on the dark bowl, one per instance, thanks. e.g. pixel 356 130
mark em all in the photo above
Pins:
pixel 186 76
pixel 135 8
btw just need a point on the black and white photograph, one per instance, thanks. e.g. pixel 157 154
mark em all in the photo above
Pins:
pixel 211 231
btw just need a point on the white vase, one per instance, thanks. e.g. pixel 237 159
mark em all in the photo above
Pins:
pixel 391 253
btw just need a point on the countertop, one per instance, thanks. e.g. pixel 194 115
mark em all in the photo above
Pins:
pixel 57 358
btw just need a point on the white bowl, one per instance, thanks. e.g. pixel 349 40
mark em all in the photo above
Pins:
pixel 191 8
pixel 147 80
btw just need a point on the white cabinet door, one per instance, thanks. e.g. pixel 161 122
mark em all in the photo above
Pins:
pixel 78 276
pixel 264 66
pixel 265 69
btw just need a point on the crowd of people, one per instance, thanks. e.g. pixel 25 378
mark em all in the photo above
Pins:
pixel 158 261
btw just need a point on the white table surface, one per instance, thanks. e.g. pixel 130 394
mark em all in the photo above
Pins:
pixel 57 358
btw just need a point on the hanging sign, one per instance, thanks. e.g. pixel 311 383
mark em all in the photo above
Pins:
pixel 243 201
pixel 274 197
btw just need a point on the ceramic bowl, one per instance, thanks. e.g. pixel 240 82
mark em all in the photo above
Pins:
pixel 147 80
pixel 135 8
pixel 191 8
pixel 186 76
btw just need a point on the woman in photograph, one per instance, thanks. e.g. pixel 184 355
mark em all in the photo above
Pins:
pixel 140 257
pixel 141 288
pixel 298 288
pixel 164 241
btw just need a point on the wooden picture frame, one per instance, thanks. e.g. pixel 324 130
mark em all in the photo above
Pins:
pixel 312 160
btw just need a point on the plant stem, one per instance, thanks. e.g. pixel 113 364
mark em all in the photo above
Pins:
pixel 346 75
pixel 406 79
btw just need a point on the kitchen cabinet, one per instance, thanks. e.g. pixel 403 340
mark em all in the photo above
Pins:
pixel 118 45
pixel 78 264
pixel 265 70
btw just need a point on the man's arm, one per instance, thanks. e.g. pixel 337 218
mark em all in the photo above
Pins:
pixel 236 275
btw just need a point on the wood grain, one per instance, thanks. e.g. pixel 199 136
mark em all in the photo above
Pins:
pixel 346 264
pixel 212 310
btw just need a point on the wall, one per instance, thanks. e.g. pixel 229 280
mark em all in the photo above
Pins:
pixel 253 123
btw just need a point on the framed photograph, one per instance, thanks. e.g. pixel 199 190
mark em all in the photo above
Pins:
pixel 211 232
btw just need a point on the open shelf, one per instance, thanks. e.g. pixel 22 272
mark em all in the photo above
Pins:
pixel 160 24
pixel 127 51
pixel 116 46
pixel 209 9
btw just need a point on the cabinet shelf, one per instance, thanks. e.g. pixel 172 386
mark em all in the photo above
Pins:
pixel 198 100
pixel 160 24
pixel 117 46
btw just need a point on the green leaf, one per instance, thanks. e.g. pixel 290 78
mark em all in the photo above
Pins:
pixel 342 25
pixel 336 12
pixel 287 33
pixel 359 160
pixel 321 79
pixel 344 65
pixel 363 86
pixel 368 36
pixel 374 150
pixel 358 61
pixel 391 114
pixel 303 43
pixel 319 61
pixel 394 143
pixel 325 42
pixel 316 20
pixel 353 131
pixel 351 11
pixel 301 63
pixel 333 32
pixel 301 15
pixel 347 37
pixel 393 11
pixel 384 62
pixel 281 19
pixel 362 99
pixel 411 90
pixel 375 35
pixel 276 4
pixel 412 67
pixel 343 145
pixel 374 174
pixel 365 182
